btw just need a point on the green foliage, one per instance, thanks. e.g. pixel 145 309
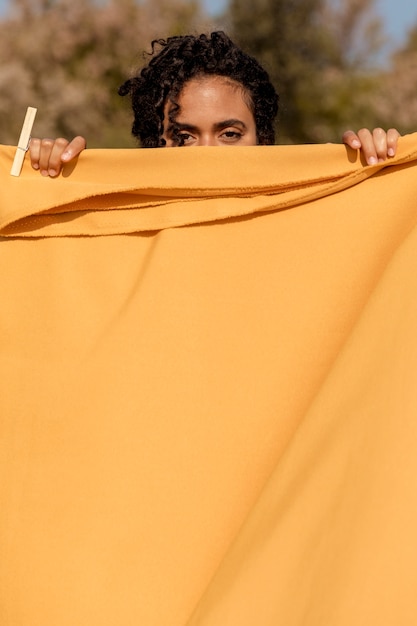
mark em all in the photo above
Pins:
pixel 396 100
pixel 68 58
pixel 316 58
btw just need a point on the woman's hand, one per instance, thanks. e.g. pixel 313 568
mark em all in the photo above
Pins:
pixel 50 155
pixel 375 146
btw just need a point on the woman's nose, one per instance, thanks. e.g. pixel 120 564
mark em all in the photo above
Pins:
pixel 207 140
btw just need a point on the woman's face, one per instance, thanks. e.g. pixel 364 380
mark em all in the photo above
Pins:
pixel 213 112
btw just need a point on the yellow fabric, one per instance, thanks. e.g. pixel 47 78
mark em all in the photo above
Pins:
pixel 208 390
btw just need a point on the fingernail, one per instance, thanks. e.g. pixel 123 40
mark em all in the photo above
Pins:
pixel 372 161
pixel 35 166
pixel 391 152
pixel 65 156
pixel 53 173
pixel 44 173
pixel 356 143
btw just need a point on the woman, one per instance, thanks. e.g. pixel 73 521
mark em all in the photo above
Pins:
pixel 202 91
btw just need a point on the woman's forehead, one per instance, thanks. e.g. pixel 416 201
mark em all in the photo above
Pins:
pixel 212 89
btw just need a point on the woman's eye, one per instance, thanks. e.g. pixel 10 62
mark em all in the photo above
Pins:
pixel 184 138
pixel 233 135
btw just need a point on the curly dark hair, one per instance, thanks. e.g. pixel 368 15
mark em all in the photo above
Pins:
pixel 178 59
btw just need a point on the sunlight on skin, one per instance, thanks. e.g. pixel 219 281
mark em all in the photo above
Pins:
pixel 213 112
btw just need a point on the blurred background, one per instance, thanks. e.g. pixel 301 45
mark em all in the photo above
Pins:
pixel 336 64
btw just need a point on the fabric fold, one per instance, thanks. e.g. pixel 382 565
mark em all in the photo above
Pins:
pixel 101 201
pixel 207 414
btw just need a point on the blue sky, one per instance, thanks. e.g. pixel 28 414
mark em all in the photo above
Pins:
pixel 398 15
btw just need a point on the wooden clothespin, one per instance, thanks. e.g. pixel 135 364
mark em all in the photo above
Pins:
pixel 24 139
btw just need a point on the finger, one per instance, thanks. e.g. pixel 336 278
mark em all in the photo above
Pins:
pixel 392 141
pixel 73 149
pixel 379 136
pixel 55 162
pixel 351 139
pixel 46 146
pixel 368 148
pixel 34 152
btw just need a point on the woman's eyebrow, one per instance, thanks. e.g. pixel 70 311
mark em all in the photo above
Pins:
pixel 185 126
pixel 231 122
pixel 217 126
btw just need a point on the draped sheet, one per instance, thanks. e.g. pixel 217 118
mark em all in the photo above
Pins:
pixel 208 391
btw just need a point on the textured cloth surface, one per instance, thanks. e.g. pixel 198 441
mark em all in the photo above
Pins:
pixel 208 391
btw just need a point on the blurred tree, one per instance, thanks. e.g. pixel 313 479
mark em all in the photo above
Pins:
pixel 320 56
pixel 68 58
pixel 397 97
